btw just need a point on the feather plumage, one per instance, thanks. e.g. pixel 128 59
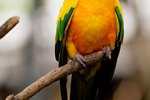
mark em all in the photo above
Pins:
pixel 83 89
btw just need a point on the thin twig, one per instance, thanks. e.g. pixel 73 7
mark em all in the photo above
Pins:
pixel 55 75
pixel 8 25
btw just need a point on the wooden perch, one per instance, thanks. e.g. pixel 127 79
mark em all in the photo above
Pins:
pixel 8 25
pixel 54 75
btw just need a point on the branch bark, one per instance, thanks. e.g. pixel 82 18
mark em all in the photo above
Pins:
pixel 54 75
pixel 8 25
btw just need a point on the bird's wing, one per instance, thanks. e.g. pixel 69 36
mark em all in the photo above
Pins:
pixel 63 22
pixel 120 22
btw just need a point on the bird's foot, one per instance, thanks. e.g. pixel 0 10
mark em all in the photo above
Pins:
pixel 107 52
pixel 81 60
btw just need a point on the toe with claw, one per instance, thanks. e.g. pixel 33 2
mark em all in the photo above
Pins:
pixel 81 60
pixel 107 52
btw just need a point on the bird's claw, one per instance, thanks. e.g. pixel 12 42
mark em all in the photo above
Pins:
pixel 107 52
pixel 81 60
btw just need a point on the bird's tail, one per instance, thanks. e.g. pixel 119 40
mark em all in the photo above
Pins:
pixel 81 89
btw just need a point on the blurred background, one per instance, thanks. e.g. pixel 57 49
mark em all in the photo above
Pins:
pixel 27 52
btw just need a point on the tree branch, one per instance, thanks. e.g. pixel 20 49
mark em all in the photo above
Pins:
pixel 54 75
pixel 8 25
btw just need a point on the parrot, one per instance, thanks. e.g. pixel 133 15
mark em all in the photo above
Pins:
pixel 85 27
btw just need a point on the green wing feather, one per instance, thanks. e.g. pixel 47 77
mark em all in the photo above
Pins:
pixel 63 22
pixel 121 25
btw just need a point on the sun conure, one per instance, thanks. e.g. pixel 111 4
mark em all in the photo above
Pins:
pixel 85 27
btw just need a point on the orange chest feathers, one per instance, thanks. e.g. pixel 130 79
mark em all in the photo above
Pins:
pixel 93 26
